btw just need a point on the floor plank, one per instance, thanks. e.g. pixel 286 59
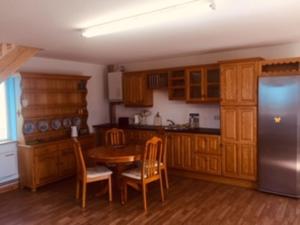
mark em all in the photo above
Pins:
pixel 188 202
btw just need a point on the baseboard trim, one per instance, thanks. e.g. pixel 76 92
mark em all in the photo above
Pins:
pixel 9 186
pixel 212 178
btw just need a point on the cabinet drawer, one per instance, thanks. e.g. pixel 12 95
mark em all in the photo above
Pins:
pixel 45 150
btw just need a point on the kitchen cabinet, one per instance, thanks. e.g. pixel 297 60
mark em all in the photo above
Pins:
pixel 239 83
pixel 179 149
pixel 239 124
pixel 194 152
pixel 41 164
pixel 46 167
pixel 239 161
pixel 230 160
pixel 177 84
pixel 135 90
pixel 247 161
pixel 203 84
pixel 239 140
pixel 67 163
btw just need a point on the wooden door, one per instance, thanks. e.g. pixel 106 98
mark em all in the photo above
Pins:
pixel 46 168
pixel 186 151
pixel 136 91
pixel 247 83
pixel 247 125
pixel 214 165
pixel 229 124
pixel 247 162
pixel 170 151
pixel 229 84
pixel 213 145
pixel 176 151
pixel 67 163
pixel 200 162
pixel 194 84
pixel 230 160
pixel 200 144
pixel 211 84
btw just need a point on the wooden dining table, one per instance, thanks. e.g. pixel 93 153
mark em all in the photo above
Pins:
pixel 120 156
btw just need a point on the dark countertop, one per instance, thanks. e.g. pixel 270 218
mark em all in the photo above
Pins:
pixel 211 131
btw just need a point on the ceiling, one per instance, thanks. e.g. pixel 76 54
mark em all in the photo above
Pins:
pixel 55 27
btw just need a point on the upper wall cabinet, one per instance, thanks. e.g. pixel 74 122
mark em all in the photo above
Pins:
pixel 176 84
pixel 239 83
pixel 203 84
pixel 135 90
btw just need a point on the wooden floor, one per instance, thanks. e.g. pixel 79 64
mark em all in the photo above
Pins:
pixel 188 202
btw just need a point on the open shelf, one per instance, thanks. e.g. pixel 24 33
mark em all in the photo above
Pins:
pixel 288 66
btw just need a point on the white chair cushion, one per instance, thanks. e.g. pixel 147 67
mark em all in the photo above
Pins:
pixel 98 171
pixel 135 174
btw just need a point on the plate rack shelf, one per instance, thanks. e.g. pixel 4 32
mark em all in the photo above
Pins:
pixel 279 67
pixel 49 105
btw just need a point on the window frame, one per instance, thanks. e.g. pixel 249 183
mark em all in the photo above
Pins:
pixel 11 112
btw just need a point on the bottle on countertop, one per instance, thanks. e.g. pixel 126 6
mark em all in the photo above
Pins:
pixel 157 120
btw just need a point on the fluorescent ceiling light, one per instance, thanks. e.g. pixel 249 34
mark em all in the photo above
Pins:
pixel 179 10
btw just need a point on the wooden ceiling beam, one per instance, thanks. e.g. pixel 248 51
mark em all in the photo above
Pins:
pixel 12 57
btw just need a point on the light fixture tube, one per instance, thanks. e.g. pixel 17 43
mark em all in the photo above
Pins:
pixel 144 19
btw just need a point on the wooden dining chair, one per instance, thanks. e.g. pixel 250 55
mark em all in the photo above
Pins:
pixel 149 171
pixel 163 164
pixel 89 175
pixel 161 133
pixel 115 136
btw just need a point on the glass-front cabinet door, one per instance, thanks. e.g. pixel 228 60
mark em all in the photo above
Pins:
pixel 212 83
pixel 203 84
pixel 194 77
pixel 177 84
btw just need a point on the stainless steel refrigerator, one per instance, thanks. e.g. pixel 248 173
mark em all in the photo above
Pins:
pixel 279 135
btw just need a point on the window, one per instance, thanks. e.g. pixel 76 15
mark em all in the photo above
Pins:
pixel 3 113
pixel 7 110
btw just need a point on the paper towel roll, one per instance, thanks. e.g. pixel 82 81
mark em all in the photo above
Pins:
pixel 74 132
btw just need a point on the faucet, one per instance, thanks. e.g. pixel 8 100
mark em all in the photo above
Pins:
pixel 171 122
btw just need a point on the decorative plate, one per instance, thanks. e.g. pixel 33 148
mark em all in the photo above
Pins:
pixel 56 124
pixel 28 127
pixel 77 121
pixel 43 125
pixel 67 123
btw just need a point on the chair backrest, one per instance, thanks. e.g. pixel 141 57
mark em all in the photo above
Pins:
pixel 161 133
pixel 115 136
pixel 80 163
pixel 152 157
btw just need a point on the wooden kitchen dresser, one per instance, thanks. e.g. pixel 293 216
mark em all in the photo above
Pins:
pixel 45 163
pixel 49 105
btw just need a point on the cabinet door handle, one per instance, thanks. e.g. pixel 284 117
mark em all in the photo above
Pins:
pixel 8 155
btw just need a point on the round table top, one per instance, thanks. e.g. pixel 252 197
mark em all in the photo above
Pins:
pixel 116 154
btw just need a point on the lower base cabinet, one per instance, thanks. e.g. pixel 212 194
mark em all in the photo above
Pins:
pixel 203 154
pixel 239 161
pixel 42 164
pixel 194 152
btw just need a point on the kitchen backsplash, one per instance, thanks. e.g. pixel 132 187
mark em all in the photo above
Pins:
pixel 178 111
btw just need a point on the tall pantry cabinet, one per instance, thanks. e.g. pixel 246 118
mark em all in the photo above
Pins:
pixel 239 81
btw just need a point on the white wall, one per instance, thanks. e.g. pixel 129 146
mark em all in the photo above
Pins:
pixel 178 110
pixel 96 98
